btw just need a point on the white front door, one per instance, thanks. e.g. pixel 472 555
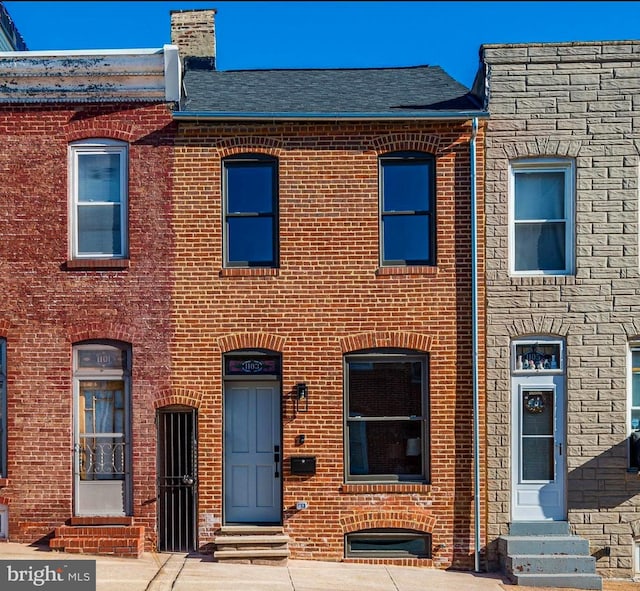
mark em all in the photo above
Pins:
pixel 538 448
pixel 252 453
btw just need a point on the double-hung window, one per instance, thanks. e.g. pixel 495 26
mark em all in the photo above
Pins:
pixel 634 407
pixel 407 209
pixel 3 410
pixel 250 211
pixel 542 205
pixel 386 417
pixel 98 199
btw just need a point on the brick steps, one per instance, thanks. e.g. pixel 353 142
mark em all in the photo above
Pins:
pixel 109 536
pixel 252 544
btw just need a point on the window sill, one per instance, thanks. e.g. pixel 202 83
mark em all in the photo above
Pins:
pixel 249 272
pixel 392 487
pixel 4 482
pixel 96 264
pixel 418 270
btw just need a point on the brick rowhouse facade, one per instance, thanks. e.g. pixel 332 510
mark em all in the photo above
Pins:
pixel 51 303
pixel 327 298
pixel 576 103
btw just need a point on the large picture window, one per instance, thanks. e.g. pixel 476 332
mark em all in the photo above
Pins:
pixel 98 186
pixel 250 210
pixel 386 417
pixel 542 232
pixel 407 209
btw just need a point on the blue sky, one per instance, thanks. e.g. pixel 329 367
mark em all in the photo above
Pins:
pixel 330 34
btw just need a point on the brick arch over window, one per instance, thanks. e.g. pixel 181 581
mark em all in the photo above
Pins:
pixel 388 519
pixel 400 142
pixel 542 148
pixel 256 145
pixel 113 331
pixel 396 340
pixel 4 328
pixel 537 326
pixel 251 340
pixel 178 397
pixel 89 129
pixel 5 501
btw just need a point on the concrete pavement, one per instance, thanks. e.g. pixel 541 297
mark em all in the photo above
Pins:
pixel 178 572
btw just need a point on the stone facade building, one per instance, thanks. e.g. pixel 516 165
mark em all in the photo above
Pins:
pixel 563 292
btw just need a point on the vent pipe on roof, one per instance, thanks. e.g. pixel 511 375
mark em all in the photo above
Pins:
pixel 193 31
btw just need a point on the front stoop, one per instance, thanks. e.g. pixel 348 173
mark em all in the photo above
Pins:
pixel 105 536
pixel 545 554
pixel 252 545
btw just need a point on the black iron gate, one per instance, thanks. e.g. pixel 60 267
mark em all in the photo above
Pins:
pixel 177 480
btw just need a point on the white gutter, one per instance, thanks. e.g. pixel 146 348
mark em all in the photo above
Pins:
pixel 475 347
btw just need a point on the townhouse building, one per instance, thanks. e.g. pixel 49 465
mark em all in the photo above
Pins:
pixel 562 286
pixel 323 312
pixel 85 281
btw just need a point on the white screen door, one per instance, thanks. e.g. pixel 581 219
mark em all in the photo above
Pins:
pixel 538 449
pixel 252 454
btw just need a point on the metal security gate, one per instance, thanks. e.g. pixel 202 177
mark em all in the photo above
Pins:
pixel 177 480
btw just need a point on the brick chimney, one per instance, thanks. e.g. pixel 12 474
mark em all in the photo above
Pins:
pixel 193 31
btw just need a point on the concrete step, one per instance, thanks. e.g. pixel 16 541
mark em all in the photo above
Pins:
pixel 539 528
pixel 252 544
pixel 556 544
pixel 251 540
pixel 572 581
pixel 521 564
pixel 248 530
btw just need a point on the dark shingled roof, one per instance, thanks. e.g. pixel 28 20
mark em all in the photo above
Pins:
pixel 420 91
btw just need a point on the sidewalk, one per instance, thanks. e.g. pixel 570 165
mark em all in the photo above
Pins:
pixel 177 572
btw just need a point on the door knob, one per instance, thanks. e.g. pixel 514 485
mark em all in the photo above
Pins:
pixel 186 479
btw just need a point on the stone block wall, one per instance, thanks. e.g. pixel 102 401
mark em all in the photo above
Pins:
pixel 578 101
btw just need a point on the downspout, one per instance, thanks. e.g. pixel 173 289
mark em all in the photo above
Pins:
pixel 475 352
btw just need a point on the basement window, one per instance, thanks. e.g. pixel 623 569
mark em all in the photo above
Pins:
pixel 388 543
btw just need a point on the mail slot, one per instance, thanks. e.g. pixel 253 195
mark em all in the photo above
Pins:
pixel 303 465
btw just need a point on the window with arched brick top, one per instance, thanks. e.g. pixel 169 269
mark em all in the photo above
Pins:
pixel 386 416
pixel 250 196
pixel 98 187
pixel 407 209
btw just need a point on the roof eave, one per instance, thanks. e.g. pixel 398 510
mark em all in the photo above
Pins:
pixel 271 116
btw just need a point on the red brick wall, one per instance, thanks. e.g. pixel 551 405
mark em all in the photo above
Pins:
pixel 328 298
pixel 46 308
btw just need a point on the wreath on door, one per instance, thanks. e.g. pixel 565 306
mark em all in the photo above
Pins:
pixel 534 403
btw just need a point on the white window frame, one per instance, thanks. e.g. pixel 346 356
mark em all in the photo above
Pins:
pixel 98 146
pixel 545 165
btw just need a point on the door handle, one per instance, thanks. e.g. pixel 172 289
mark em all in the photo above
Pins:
pixel 186 479
pixel 559 448
pixel 276 460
